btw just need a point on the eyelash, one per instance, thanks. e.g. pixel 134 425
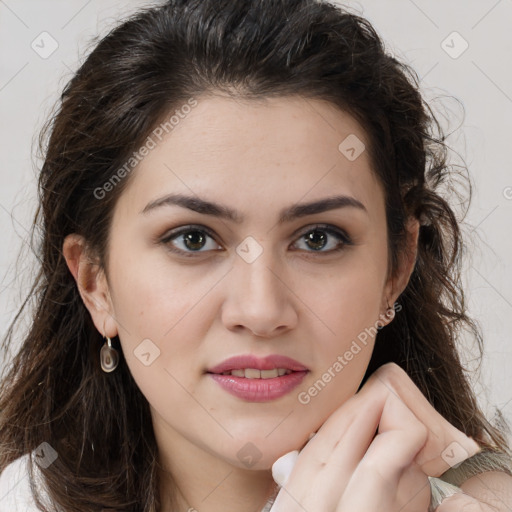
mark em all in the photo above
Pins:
pixel 331 230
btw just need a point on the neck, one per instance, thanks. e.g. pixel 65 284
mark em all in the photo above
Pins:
pixel 193 479
pixel 232 494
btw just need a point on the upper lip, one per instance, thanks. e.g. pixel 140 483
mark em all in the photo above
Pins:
pixel 260 363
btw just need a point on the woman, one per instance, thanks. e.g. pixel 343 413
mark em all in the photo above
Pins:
pixel 244 254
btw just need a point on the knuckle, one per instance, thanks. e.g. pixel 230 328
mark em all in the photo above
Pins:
pixel 419 435
pixel 391 373
pixel 376 472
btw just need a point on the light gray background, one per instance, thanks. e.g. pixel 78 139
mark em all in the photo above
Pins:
pixel 413 30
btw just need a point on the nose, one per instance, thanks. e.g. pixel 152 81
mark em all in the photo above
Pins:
pixel 260 298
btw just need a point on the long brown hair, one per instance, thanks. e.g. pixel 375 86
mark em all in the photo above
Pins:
pixel 54 390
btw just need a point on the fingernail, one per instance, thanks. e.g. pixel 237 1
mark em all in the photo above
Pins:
pixel 282 467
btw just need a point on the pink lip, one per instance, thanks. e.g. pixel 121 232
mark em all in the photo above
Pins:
pixel 266 363
pixel 259 390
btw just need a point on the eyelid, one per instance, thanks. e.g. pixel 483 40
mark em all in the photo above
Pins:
pixel 188 227
pixel 329 228
pixel 174 233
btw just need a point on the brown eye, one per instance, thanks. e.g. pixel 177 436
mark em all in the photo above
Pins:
pixel 320 237
pixel 194 240
pixel 316 239
pixel 190 240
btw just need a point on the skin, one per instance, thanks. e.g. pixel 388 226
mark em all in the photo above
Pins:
pixel 256 158
pixel 345 468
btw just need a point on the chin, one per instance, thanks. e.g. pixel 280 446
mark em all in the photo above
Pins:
pixel 260 462
pixel 259 454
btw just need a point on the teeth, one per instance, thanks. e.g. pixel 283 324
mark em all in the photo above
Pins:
pixel 253 373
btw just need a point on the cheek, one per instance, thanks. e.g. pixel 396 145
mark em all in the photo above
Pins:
pixel 350 299
pixel 352 328
pixel 349 305
pixel 158 332
pixel 153 301
pixel 350 309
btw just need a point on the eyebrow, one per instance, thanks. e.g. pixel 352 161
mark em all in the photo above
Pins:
pixel 286 215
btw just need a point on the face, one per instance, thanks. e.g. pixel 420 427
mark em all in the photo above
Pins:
pixel 189 289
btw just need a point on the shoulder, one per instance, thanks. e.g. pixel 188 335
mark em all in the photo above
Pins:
pixel 15 492
pixel 493 488
pixel 487 476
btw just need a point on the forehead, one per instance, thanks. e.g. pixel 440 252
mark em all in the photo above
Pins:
pixel 284 148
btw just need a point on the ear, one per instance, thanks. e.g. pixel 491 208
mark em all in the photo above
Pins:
pixel 91 282
pixel 397 283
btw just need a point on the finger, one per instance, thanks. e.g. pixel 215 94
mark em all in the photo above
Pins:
pixel 396 380
pixel 387 478
pixel 319 476
pixel 446 446
pixel 282 467
pixel 328 462
pixel 363 408
pixel 363 411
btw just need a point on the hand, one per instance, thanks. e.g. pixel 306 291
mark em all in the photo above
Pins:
pixel 346 467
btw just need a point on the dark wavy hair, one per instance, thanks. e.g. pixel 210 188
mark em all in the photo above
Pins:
pixel 147 66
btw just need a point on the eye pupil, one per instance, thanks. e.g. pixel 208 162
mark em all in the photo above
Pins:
pixel 191 237
pixel 317 237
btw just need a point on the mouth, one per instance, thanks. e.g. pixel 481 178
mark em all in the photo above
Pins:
pixel 254 385
pixel 249 366
pixel 254 373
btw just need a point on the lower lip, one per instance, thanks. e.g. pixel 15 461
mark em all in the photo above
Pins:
pixel 259 390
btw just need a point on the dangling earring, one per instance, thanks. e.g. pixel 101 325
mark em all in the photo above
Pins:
pixel 109 357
